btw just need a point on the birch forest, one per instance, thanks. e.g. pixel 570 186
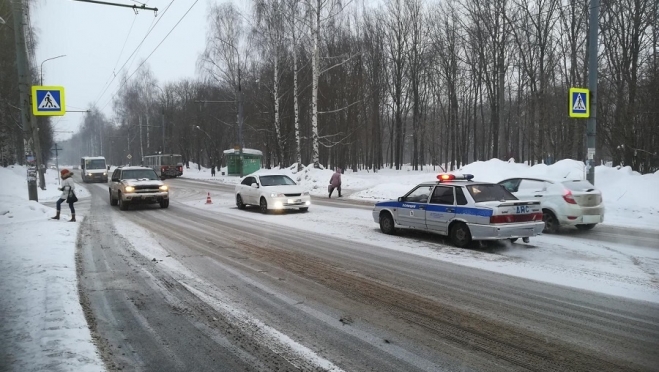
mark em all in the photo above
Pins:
pixel 373 84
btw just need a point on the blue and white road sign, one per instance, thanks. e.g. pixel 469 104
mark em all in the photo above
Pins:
pixel 48 101
pixel 579 106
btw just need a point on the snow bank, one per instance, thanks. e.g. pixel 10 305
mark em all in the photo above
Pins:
pixel 631 199
pixel 43 326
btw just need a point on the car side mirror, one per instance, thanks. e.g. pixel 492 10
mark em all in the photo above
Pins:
pixel 255 185
pixel 401 199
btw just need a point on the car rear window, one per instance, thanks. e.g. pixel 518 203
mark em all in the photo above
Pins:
pixel 580 185
pixel 487 192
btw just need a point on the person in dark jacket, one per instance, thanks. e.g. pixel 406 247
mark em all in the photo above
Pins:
pixel 67 188
pixel 335 182
pixel 213 171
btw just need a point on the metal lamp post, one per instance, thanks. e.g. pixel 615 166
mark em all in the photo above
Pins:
pixel 41 70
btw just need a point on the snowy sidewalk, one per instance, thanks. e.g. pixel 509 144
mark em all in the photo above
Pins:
pixel 43 326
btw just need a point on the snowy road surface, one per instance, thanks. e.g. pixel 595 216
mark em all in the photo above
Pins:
pixel 642 237
pixel 208 287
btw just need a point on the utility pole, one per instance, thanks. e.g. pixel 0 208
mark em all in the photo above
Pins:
pixel 591 130
pixel 57 150
pixel 141 144
pixel 163 131
pixel 241 144
pixel 25 82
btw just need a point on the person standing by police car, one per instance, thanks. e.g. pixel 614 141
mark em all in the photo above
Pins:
pixel 335 182
pixel 68 194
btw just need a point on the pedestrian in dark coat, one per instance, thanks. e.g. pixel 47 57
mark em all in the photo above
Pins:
pixel 68 190
pixel 213 171
pixel 335 182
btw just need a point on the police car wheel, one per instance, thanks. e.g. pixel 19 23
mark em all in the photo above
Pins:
pixel 513 240
pixel 460 235
pixel 387 224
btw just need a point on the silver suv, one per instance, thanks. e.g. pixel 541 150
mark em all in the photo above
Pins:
pixel 137 185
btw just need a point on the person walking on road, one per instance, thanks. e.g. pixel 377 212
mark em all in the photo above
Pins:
pixel 68 194
pixel 335 182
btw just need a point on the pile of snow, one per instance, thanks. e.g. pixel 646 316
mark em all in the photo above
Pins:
pixel 631 199
pixel 43 326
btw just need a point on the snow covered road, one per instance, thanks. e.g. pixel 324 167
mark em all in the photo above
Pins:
pixel 345 296
pixel 573 259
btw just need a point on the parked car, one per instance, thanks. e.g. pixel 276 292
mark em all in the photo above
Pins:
pixel 272 192
pixel 137 185
pixel 463 210
pixel 564 202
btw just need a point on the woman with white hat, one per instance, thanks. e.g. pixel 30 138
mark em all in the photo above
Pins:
pixel 68 194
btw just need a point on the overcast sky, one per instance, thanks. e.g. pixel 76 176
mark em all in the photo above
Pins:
pixel 92 37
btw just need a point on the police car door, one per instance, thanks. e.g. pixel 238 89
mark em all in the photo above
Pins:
pixel 411 211
pixel 441 209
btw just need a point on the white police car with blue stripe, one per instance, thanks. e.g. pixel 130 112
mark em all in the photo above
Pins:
pixel 463 210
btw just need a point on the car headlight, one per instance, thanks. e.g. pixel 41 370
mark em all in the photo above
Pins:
pixel 105 174
pixel 305 193
pixel 164 188
pixel 130 189
pixel 276 195
pixel 89 174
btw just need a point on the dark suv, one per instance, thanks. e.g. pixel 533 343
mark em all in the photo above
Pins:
pixel 137 185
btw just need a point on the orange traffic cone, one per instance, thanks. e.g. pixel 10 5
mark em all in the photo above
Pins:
pixel 208 199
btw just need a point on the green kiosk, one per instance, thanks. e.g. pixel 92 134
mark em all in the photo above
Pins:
pixel 251 161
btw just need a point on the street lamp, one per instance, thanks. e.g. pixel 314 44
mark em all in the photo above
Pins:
pixel 212 141
pixel 41 74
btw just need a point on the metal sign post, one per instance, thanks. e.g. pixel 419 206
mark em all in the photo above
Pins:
pixel 57 150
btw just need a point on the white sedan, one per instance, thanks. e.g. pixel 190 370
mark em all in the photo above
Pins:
pixel 272 192
pixel 564 202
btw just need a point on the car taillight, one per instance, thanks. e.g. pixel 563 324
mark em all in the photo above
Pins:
pixel 502 218
pixel 510 218
pixel 567 196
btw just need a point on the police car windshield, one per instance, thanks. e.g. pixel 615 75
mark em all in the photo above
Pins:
pixel 486 192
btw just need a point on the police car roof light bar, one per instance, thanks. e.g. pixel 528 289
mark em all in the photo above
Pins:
pixel 454 177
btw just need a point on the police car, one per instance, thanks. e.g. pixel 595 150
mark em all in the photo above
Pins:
pixel 463 210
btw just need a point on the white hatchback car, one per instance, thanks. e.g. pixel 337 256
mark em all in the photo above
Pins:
pixel 564 202
pixel 272 192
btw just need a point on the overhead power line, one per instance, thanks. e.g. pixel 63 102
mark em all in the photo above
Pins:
pixel 134 7
pixel 150 54
pixel 115 73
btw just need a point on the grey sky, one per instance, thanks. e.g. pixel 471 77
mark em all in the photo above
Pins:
pixel 92 37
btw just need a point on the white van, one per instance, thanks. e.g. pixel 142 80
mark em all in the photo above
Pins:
pixel 93 169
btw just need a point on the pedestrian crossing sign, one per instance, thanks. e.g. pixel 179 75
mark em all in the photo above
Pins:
pixel 579 103
pixel 48 101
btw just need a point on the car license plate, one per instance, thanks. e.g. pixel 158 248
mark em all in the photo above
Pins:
pixel 591 219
